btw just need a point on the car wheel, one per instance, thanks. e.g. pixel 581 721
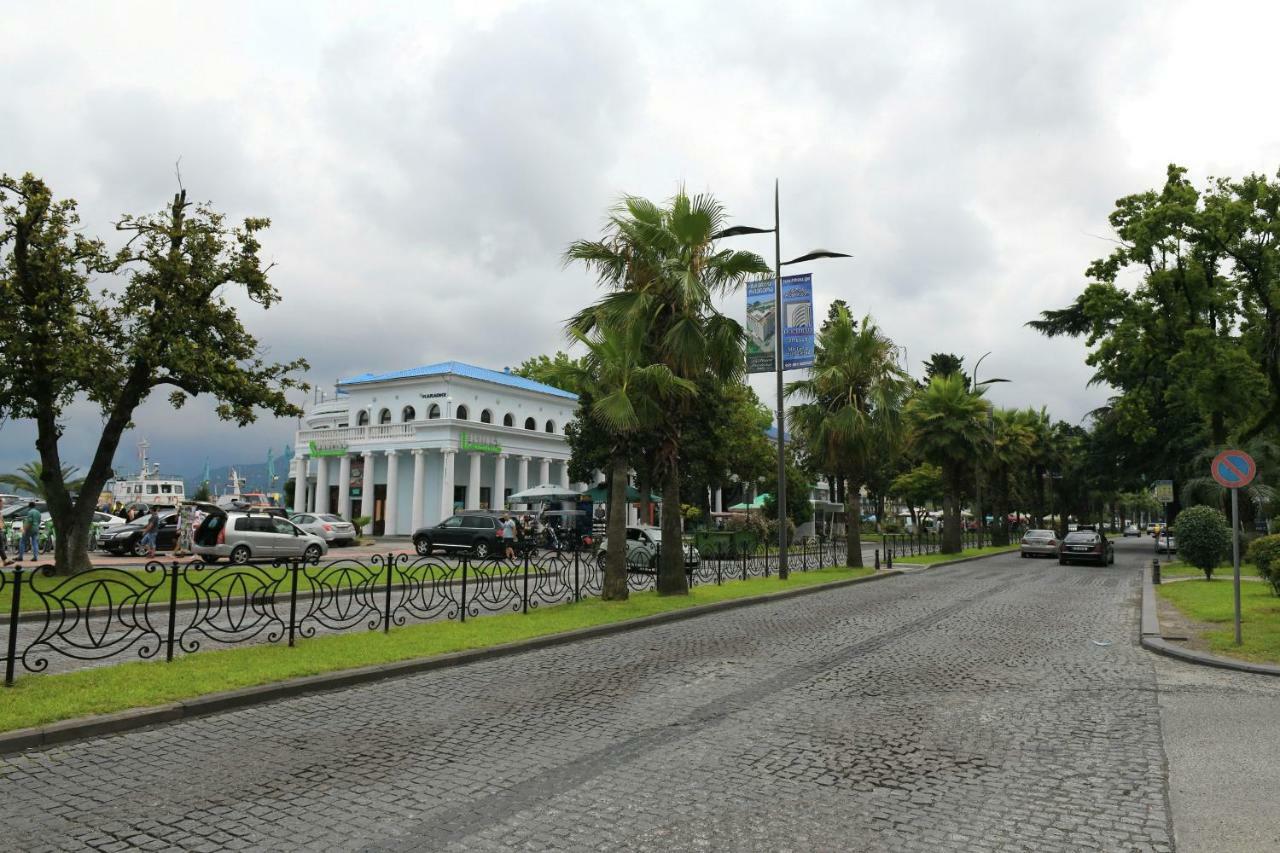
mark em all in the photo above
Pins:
pixel 312 552
pixel 1025 555
pixel 240 554
pixel 137 549
pixel 481 549
pixel 423 547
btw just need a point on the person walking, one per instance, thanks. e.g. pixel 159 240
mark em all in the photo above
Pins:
pixel 30 532
pixel 149 531
pixel 4 538
pixel 508 537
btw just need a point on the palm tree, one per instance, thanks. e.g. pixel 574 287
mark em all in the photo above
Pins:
pixel 946 422
pixel 853 418
pixel 1012 439
pixel 28 479
pixel 664 273
pixel 621 395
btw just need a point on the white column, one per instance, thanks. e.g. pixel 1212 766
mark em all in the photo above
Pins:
pixel 500 481
pixel 473 483
pixel 419 480
pixel 300 484
pixel 393 488
pixel 446 483
pixel 564 473
pixel 522 477
pixel 322 484
pixel 344 487
pixel 719 499
pixel 366 490
pixel 544 472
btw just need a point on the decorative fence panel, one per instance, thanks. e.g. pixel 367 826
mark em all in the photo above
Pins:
pixel 182 608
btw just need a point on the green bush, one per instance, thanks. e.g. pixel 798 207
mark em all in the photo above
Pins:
pixel 360 522
pixel 1203 537
pixel 1264 552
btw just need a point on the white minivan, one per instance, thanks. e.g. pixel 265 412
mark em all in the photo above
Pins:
pixel 244 536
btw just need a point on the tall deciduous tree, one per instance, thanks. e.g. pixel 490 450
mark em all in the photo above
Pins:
pixel 664 271
pixel 172 325
pixel 947 426
pixel 852 417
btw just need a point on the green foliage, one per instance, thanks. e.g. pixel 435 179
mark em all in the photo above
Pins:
pixel 549 370
pixel 799 486
pixel 174 324
pixel 920 486
pixel 943 364
pixel 1264 552
pixel 360 522
pixel 1204 538
pixel 29 479
pixel 947 427
pixel 749 522
pixel 202 492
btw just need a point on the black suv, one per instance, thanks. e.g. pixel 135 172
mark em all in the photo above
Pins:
pixel 476 532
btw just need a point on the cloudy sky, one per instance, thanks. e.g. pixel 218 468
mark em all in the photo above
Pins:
pixel 425 164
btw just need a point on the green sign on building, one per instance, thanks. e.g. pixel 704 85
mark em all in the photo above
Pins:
pixel 320 452
pixel 465 442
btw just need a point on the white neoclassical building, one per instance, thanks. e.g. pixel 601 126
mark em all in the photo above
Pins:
pixel 411 447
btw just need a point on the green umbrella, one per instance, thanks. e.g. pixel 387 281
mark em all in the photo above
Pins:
pixel 758 503
pixel 600 495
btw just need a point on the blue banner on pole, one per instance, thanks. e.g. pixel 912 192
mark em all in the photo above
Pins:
pixel 797 321
pixel 761 355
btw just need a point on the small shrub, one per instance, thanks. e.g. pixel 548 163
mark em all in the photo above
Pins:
pixel 360 522
pixel 1264 552
pixel 1204 538
pixel 891 527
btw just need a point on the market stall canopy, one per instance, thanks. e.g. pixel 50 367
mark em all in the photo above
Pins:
pixel 600 495
pixel 545 492
pixel 758 503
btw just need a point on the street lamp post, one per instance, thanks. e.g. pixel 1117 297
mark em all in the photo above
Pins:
pixel 991 424
pixel 776 231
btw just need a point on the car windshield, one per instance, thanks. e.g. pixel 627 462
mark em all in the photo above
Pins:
pixel 1083 536
pixel 330 517
pixel 1040 534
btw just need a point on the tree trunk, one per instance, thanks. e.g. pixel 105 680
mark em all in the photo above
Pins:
pixel 853 542
pixel 671 579
pixel 951 531
pixel 615 565
pixel 644 484
pixel 1000 511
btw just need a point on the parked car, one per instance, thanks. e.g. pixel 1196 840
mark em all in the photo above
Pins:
pixel 244 536
pixel 1087 546
pixel 329 527
pixel 1132 530
pixel 643 545
pixel 468 531
pixel 1038 543
pixel 127 538
pixel 1167 544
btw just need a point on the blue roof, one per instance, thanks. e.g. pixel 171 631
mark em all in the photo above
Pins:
pixel 470 371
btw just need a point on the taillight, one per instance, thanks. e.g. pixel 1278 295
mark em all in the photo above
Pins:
pixel 328 528
pixel 1053 541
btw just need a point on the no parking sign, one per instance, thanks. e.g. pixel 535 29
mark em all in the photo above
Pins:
pixel 1233 469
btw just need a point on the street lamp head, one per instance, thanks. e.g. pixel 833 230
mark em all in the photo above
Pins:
pixel 816 254
pixel 738 230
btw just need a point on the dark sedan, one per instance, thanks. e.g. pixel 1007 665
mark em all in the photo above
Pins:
pixel 1086 546
pixel 127 538
pixel 476 533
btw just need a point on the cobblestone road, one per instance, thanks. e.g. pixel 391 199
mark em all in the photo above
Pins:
pixel 966 708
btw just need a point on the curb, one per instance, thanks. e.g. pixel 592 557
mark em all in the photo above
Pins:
pixel 1154 641
pixel 212 703
pixel 924 567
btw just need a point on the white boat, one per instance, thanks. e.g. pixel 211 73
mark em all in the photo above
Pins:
pixel 147 486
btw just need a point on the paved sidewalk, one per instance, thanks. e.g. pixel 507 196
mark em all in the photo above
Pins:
pixel 961 709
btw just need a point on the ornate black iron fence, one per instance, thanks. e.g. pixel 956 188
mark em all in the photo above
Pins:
pixel 165 609
pixel 899 545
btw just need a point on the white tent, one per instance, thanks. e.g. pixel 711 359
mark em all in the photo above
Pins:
pixel 547 492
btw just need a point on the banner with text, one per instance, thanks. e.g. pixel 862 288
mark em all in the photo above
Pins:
pixel 797 324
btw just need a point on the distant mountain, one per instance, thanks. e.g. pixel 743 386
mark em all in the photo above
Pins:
pixel 254 474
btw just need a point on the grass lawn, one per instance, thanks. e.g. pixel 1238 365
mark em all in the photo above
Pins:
pixel 37 699
pixel 1213 602
pixel 930 559
pixel 1179 569
pixel 220 578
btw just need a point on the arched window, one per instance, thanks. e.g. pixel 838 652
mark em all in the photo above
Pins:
pixel 530 423
pixel 433 412
pixel 486 417
pixel 384 417
pixel 362 419
pixel 408 414
pixel 509 420
pixel 462 413
pixel 551 426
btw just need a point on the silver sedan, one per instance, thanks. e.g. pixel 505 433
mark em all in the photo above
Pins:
pixel 1039 543
pixel 329 527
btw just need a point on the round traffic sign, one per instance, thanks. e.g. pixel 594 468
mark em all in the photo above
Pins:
pixel 1233 469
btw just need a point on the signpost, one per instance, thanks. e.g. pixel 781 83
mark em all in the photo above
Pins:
pixel 1234 469
pixel 1164 493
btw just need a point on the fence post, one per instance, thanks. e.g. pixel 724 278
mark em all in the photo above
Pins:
pixel 293 598
pixel 524 598
pixel 11 657
pixel 766 556
pixel 719 557
pixel 462 610
pixel 889 561
pixel 386 607
pixel 744 563
pixel 877 559
pixel 576 586
pixel 173 610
